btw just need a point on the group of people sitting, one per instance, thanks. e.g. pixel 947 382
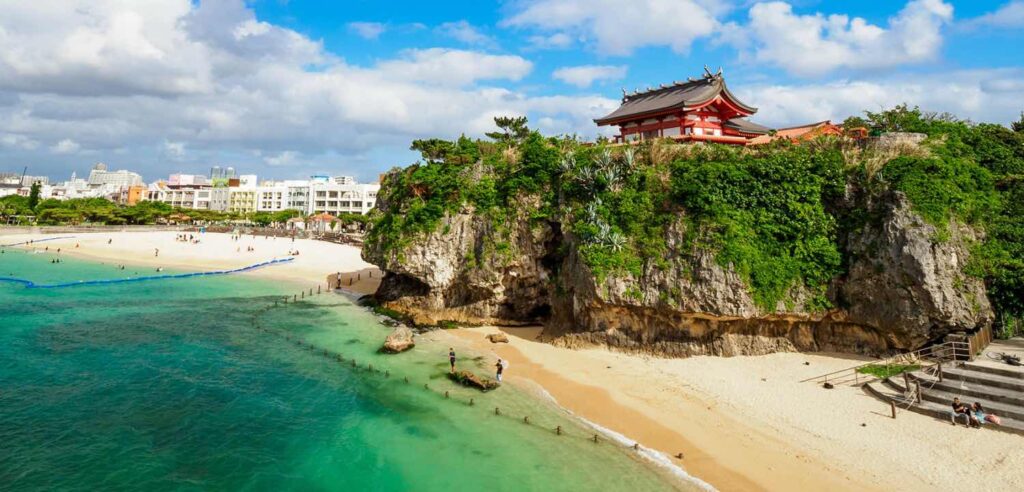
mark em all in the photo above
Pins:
pixel 187 238
pixel 973 415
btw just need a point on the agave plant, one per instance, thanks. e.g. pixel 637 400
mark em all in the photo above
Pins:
pixel 629 158
pixel 567 163
pixel 616 241
pixel 611 174
pixel 588 174
pixel 604 160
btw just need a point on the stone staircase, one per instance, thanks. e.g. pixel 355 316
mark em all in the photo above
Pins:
pixel 999 390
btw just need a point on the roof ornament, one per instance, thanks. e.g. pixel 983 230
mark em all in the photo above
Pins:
pixel 662 86
pixel 707 72
pixel 623 93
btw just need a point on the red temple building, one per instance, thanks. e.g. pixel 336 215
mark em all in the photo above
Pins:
pixel 697 110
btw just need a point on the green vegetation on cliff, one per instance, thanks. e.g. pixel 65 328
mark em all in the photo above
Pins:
pixel 776 214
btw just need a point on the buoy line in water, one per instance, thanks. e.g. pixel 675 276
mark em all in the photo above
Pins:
pixel 33 241
pixel 446 395
pixel 32 285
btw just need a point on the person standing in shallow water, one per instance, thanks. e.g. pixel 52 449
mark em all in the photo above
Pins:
pixel 451 358
pixel 500 368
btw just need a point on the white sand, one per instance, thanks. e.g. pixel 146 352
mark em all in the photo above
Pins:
pixel 316 259
pixel 747 422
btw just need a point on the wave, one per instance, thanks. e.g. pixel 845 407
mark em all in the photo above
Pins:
pixel 654 456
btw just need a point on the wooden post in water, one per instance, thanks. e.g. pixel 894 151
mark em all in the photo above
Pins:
pixel 446 394
pixel 497 411
pixel 558 430
pixel 526 420
pixel 595 438
pixel 318 289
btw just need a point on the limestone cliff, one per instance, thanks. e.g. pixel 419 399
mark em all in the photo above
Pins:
pixel 455 275
pixel 903 289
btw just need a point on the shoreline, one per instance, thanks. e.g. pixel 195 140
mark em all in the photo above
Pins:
pixel 741 423
pixel 746 423
pixel 216 251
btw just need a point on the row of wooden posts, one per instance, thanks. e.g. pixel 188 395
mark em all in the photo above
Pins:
pixel 558 430
pixel 916 387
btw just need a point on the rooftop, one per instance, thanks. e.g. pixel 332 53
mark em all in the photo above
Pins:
pixel 678 95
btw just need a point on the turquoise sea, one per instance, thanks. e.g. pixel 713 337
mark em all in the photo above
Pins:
pixel 193 384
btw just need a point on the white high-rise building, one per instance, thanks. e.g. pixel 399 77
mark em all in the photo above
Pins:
pixel 101 177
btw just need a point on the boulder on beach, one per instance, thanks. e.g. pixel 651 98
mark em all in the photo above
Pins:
pixel 467 378
pixel 399 340
pixel 498 337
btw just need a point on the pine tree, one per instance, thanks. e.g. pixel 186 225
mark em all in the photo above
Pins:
pixel 513 130
pixel 33 195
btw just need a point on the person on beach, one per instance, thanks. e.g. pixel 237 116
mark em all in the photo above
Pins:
pixel 982 416
pixel 156 252
pixel 110 240
pixel 451 358
pixel 500 369
pixel 962 409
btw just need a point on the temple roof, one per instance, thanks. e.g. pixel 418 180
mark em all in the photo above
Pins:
pixel 747 126
pixel 679 95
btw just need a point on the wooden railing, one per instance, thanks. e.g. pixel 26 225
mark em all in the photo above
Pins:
pixel 935 354
pixel 979 340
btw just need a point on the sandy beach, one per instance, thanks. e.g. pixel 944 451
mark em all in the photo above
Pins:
pixel 747 423
pixel 311 267
pixel 741 423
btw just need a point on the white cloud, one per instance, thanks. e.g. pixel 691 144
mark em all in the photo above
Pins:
pixel 812 45
pixel 367 30
pixel 285 158
pixel 455 67
pixel 980 95
pixel 1009 15
pixel 223 84
pixel 617 28
pixel 585 75
pixel 66 146
pixel 15 141
pixel 174 150
pixel 556 41
pixel 465 32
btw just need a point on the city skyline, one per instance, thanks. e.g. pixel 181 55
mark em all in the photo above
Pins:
pixel 301 88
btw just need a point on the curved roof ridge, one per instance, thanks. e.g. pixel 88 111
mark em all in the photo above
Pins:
pixel 678 95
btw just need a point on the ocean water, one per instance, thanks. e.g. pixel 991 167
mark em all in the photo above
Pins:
pixel 197 384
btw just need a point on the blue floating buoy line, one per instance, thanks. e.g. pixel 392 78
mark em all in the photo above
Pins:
pixel 32 285
pixel 36 241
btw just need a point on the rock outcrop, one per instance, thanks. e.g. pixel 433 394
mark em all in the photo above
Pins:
pixel 400 340
pixel 498 338
pixel 903 287
pixel 471 380
pixel 453 275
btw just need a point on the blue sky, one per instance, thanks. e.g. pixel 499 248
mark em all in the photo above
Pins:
pixel 290 88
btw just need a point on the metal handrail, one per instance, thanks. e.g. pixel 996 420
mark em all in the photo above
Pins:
pixel 945 351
